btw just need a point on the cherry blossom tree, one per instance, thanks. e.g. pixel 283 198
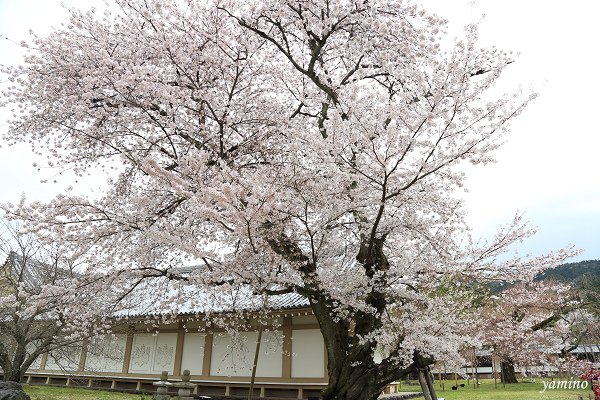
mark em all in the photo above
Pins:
pixel 529 324
pixel 291 146
pixel 38 290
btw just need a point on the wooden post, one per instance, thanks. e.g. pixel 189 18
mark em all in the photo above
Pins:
pixel 467 375
pixel 424 386
pixel 208 345
pixel 256 354
pixel 476 383
pixel 83 355
pixel 44 361
pixel 128 349
pixel 257 351
pixel 179 349
pixel 286 363
pixel 444 379
pixel 494 371
pixel 429 380
pixel 455 380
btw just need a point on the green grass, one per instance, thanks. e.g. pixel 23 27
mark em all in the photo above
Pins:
pixel 486 391
pixel 66 393
pixel 518 391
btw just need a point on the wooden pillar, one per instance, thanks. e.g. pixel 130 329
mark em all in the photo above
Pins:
pixel 286 353
pixel 255 362
pixel 494 371
pixel 429 380
pixel 128 349
pixel 424 386
pixel 44 360
pixel 325 363
pixel 208 345
pixel 83 355
pixel 179 350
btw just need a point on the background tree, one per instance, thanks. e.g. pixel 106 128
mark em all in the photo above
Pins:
pixel 37 292
pixel 531 325
pixel 299 146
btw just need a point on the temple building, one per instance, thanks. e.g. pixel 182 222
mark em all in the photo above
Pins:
pixel 292 360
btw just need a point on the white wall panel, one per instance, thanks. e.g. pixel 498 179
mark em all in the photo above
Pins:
pixel 151 354
pixel 64 359
pixel 106 353
pixel 270 359
pixel 38 361
pixel 231 357
pixel 235 357
pixel 308 354
pixel 193 353
pixel 164 352
pixel 142 353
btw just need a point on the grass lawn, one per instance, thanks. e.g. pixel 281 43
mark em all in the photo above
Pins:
pixel 65 393
pixel 518 391
pixel 486 391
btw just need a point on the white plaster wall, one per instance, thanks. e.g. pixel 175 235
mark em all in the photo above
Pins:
pixel 106 353
pixel 308 354
pixel 164 355
pixel 193 353
pixel 152 354
pixel 235 357
pixel 270 359
pixel 142 353
pixel 38 361
pixel 64 359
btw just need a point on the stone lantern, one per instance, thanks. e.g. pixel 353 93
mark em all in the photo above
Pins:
pixel 162 387
pixel 185 387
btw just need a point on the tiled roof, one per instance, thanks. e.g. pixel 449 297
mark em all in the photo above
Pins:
pixel 161 297
pixel 587 348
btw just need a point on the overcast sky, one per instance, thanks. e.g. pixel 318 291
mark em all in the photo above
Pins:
pixel 550 167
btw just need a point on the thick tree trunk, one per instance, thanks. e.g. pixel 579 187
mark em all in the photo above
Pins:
pixel 14 369
pixel 352 371
pixel 13 375
pixel 18 367
pixel 363 388
pixel 507 372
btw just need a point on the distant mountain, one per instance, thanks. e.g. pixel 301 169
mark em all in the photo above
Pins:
pixel 572 272
pixel 582 274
